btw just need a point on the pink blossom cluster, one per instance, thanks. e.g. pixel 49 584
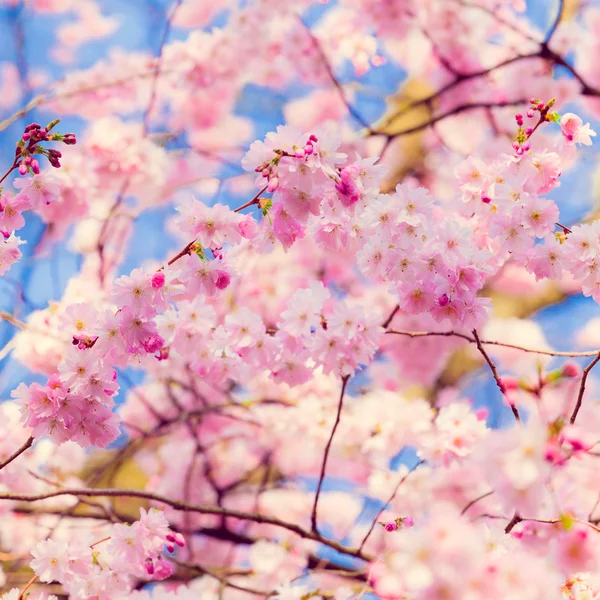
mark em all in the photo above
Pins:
pixel 100 569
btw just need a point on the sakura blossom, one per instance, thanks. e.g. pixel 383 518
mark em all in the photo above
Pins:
pixel 299 300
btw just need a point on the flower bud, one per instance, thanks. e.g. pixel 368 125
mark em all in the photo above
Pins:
pixel 408 522
pixel 223 279
pixel 158 280
pixel 149 566
pixel 571 370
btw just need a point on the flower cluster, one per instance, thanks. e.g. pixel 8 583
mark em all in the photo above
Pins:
pixel 108 566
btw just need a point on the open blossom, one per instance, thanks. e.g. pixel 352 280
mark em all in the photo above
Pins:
pixel 574 131
pixel 110 563
pixel 9 252
pixel 39 190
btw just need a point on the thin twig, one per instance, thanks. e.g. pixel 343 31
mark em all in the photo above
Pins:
pixel 326 454
pixel 18 453
pixel 584 377
pixel 198 508
pixel 418 334
pixel 494 371
pixel 474 501
pixel 387 322
pixel 251 202
pixel 388 503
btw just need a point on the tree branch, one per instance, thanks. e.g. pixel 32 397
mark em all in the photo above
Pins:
pixel 18 453
pixel 494 371
pixel 198 508
pixel 326 454
pixel 584 377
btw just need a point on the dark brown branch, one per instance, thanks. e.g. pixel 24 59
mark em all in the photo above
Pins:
pixel 251 202
pixel 514 521
pixel 584 377
pixel 326 455
pixel 494 371
pixel 418 334
pixel 18 453
pixel 475 501
pixel 387 322
pixel 198 508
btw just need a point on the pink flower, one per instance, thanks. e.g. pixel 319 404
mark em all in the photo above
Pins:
pixel 11 208
pixel 50 560
pixel 574 131
pixel 40 189
pixel 577 550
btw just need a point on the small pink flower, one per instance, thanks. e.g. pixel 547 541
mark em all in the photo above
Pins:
pixel 391 526
pixel 574 131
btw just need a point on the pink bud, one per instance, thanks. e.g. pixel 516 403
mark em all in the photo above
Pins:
pixel 570 370
pixel 532 101
pixel 23 168
pixel 163 353
pixel 149 566
pixel 530 113
pixel 313 138
pixel 529 130
pixel 443 300
pixel 391 526
pixel 408 521
pixel 164 569
pixel 540 106
pixel 273 184
pixel 158 280
pixel 153 344
pixel 5 234
pixel 485 199
pixel 300 153
pixel 526 147
pixel 309 149
pixel 223 279
pixel 519 117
